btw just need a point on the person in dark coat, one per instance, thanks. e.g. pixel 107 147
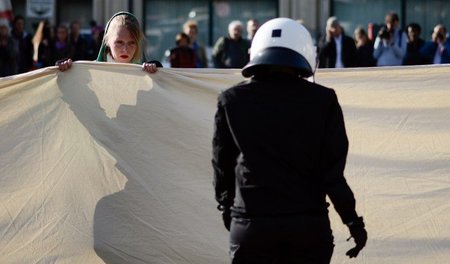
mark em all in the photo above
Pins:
pixel 8 53
pixel 279 148
pixel 61 48
pixel 231 51
pixel 415 43
pixel 337 50
pixel 364 49
pixel 24 45
pixel 78 44
pixel 436 51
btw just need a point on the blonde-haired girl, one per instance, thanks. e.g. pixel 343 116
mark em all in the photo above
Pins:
pixel 122 43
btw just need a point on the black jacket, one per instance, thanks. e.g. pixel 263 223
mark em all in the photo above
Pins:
pixel 327 53
pixel 228 53
pixel 413 56
pixel 279 148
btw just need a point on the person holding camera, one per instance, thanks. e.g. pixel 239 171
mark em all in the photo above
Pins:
pixel 436 51
pixel 391 43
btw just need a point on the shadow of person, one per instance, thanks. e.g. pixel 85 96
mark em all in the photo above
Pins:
pixel 159 138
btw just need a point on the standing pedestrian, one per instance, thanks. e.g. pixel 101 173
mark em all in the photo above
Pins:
pixel 364 49
pixel 391 43
pixel 231 51
pixel 279 148
pixel 78 44
pixel 252 27
pixel 337 50
pixel 182 56
pixel 436 51
pixel 8 51
pixel 24 45
pixel 191 29
pixel 61 48
pixel 415 43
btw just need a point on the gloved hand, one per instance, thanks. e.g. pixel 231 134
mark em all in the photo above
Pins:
pixel 226 215
pixel 359 234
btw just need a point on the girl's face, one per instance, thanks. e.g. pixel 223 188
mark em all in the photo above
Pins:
pixel 61 34
pixel 122 45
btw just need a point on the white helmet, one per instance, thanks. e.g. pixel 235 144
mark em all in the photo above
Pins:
pixel 282 42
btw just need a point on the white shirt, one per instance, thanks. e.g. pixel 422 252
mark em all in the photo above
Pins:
pixel 438 55
pixel 338 41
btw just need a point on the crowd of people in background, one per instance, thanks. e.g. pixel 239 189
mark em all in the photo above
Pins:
pixel 392 46
pixel 21 51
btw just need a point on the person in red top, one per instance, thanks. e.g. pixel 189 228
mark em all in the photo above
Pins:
pixel 182 56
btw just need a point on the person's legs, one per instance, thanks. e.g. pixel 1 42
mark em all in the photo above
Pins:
pixel 308 239
pixel 281 240
pixel 251 242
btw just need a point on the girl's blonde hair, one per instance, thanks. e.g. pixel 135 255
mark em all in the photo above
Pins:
pixel 132 25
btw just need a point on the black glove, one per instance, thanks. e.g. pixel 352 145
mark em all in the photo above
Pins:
pixel 359 234
pixel 226 215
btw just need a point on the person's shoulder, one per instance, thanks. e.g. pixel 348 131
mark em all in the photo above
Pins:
pixel 323 41
pixel 421 41
pixel 28 37
pixel 429 44
pixel 245 41
pixel 232 91
pixel 245 84
pixel 221 40
pixel 321 90
pixel 348 39
pixel 187 49
pixel 180 49
pixel 201 45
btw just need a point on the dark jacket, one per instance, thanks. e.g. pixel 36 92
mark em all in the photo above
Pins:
pixel 413 56
pixel 182 57
pixel 228 53
pixel 8 56
pixel 327 53
pixel 279 148
pixel 364 56
pixel 78 48
pixel 428 51
pixel 24 59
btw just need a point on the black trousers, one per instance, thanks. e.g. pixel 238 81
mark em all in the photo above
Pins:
pixel 283 240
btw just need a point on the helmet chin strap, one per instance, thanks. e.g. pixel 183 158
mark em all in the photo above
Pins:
pixel 314 71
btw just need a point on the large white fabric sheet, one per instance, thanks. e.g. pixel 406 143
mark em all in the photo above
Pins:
pixel 107 164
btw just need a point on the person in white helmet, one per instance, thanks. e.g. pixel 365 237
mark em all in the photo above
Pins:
pixel 279 148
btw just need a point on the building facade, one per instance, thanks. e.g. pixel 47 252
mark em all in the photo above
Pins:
pixel 162 19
